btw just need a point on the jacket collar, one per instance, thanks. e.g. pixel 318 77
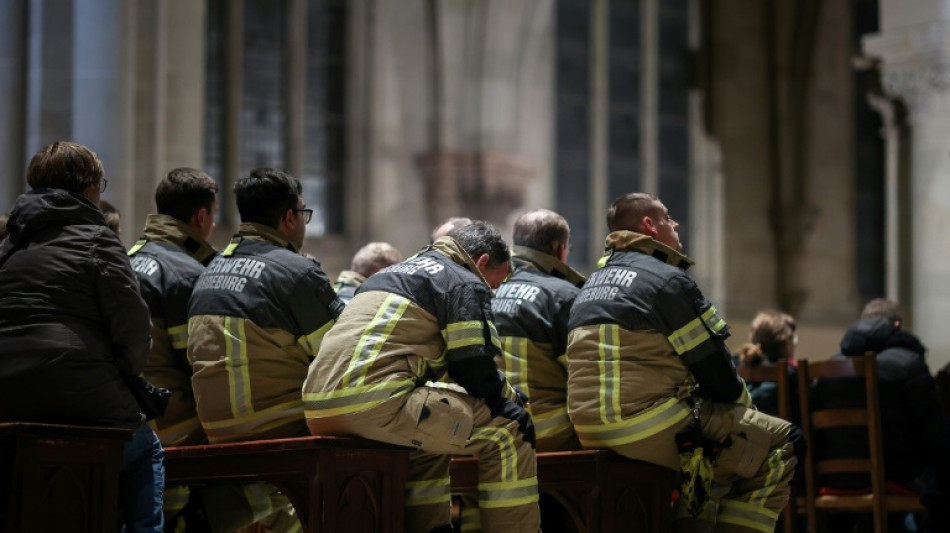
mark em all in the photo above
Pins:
pixel 260 232
pixel 351 278
pixel 450 248
pixel 168 229
pixel 631 241
pixel 525 257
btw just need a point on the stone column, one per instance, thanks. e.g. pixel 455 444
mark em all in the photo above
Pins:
pixel 914 49
pixel 12 100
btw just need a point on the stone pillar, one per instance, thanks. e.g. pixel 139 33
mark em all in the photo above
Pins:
pixel 914 49
pixel 103 96
pixel 12 100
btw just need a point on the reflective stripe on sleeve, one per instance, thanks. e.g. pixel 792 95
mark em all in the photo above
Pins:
pixel 178 336
pixel 462 334
pixel 311 343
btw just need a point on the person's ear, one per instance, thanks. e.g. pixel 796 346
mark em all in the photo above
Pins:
pixel 648 227
pixel 482 261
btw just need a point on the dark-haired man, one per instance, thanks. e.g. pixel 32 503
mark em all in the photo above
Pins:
pixel 531 313
pixel 648 362
pixel 167 261
pixel 255 320
pixel 409 325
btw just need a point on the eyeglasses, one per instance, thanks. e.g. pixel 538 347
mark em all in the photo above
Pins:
pixel 307 214
pixel 103 183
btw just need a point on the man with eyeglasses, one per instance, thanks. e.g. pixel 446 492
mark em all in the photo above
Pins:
pixel 256 318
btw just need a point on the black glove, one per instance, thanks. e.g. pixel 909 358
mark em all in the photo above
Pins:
pixel 521 398
pixel 513 411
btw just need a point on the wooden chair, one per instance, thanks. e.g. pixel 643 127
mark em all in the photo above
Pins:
pixel 777 373
pixel 816 419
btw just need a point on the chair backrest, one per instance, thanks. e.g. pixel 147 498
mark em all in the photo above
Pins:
pixel 777 373
pixel 816 418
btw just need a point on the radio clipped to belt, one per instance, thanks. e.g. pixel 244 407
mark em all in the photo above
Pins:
pixel 697 458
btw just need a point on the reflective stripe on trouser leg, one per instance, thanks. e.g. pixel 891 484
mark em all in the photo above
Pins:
pixel 272 508
pixel 470 518
pixel 507 477
pixel 176 497
pixel 428 496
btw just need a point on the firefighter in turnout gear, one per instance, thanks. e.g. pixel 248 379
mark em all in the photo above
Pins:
pixel 531 313
pixel 367 261
pixel 648 369
pixel 255 320
pixel 375 377
pixel 167 261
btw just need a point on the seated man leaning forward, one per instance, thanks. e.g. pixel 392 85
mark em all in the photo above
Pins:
pixel 649 375
pixel 408 326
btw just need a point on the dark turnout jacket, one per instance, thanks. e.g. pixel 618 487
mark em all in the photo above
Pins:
pixel 71 318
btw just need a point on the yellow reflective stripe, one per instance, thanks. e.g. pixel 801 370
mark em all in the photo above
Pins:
pixel 689 336
pixel 258 500
pixel 776 467
pixel 745 397
pixel 178 336
pixel 176 497
pixel 506 448
pixel 278 413
pixel 747 515
pixel 713 321
pixel 311 343
pixel 373 338
pixel 641 426
pixel 136 247
pixel 237 365
pixel 551 422
pixel 495 339
pixel 429 492
pixel 471 519
pixel 353 399
pixel 515 353
pixel 507 493
pixel 461 334
pixel 173 435
pixel 608 349
pixel 229 250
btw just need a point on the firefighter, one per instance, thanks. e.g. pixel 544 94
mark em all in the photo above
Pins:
pixel 650 377
pixel 375 377
pixel 256 318
pixel 367 261
pixel 531 313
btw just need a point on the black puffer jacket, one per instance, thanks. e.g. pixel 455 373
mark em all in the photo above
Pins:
pixel 912 419
pixel 71 318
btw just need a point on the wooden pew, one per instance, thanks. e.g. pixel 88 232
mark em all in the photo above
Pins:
pixel 334 483
pixel 59 478
pixel 601 491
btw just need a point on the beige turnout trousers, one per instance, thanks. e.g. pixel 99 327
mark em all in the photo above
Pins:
pixel 439 423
